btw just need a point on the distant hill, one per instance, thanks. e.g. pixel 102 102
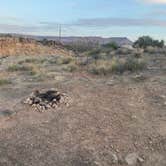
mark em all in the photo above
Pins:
pixel 71 39
pixel 119 40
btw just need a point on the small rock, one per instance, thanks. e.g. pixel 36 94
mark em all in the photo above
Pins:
pixel 132 159
pixel 110 158
pixel 110 83
pixel 163 96
pixel 133 117
pixel 141 160
pixel 114 158
pixel 139 77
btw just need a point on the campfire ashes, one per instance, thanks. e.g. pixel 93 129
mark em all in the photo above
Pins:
pixel 47 99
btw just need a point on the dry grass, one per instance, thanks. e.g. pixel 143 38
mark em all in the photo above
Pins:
pixel 28 69
pixel 70 67
pixel 18 67
pixel 13 47
pixel 64 60
pixel 115 65
pixel 32 60
pixel 67 63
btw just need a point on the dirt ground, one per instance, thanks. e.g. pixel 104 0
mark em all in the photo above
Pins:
pixel 110 119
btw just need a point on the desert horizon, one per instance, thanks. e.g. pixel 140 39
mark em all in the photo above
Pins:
pixel 83 83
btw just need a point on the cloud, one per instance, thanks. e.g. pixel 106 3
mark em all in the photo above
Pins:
pixel 8 28
pixel 53 27
pixel 155 1
pixel 106 22
pixel 156 13
pixel 10 19
pixel 36 28
pixel 121 22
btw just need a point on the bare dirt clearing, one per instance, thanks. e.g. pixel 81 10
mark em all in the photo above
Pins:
pixel 114 120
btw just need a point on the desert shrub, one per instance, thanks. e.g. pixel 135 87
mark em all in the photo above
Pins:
pixel 70 67
pixel 150 49
pixel 53 60
pixel 98 70
pixel 104 67
pixel 111 45
pixel 115 65
pixel 50 43
pixel 38 77
pixel 146 41
pixel 94 52
pixel 103 52
pixel 137 53
pixel 123 51
pixel 155 50
pixel 61 60
pixel 4 82
pixel 31 70
pixel 134 64
pixel 83 61
pixel 17 67
pixel 81 46
pixel 64 60
pixel 32 60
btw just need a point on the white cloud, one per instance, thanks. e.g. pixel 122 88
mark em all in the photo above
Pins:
pixel 121 22
pixel 155 1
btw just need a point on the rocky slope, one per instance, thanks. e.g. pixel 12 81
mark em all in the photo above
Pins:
pixel 24 46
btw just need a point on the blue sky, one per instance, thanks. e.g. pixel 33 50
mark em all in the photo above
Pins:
pixel 107 18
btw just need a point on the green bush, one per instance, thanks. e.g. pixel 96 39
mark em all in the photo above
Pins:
pixel 111 45
pixel 4 82
pixel 146 41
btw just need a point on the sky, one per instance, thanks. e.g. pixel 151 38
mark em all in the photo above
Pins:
pixel 106 18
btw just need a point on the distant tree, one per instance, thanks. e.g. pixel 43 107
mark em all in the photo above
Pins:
pixel 112 45
pixel 161 43
pixel 146 41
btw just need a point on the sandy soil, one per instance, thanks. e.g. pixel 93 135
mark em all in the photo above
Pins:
pixel 109 119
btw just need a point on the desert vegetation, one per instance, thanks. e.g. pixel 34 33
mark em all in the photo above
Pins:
pixel 4 82
pixel 115 65
pixel 146 41
pixel 116 113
